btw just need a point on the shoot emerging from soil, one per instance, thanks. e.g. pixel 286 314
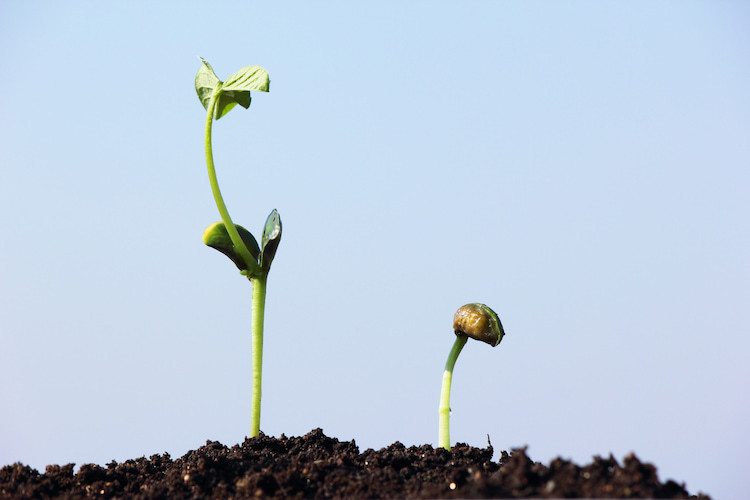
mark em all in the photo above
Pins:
pixel 234 241
pixel 480 323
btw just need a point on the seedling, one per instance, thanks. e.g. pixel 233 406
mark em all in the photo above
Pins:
pixel 233 240
pixel 480 323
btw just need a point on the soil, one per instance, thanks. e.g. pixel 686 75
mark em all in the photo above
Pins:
pixel 317 466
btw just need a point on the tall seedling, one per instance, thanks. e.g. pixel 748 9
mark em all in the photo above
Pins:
pixel 234 241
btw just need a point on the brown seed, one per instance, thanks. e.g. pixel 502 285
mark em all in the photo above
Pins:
pixel 478 322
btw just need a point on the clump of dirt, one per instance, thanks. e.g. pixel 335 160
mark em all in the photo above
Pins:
pixel 317 466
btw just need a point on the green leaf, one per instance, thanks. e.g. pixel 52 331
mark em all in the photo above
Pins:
pixel 227 100
pixel 217 237
pixel 206 82
pixel 247 79
pixel 236 90
pixel 270 240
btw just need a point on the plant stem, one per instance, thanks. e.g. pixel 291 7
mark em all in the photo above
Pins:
pixel 239 245
pixel 258 312
pixel 445 394
pixel 258 279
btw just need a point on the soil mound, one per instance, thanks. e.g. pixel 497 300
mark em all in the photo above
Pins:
pixel 317 466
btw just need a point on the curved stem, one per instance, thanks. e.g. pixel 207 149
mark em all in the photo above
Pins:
pixel 258 310
pixel 445 394
pixel 239 245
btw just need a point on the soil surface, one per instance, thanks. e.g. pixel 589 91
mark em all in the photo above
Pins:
pixel 317 466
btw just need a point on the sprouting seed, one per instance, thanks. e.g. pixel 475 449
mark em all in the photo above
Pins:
pixel 480 323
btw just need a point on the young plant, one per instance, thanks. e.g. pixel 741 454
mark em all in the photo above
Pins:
pixel 480 323
pixel 233 240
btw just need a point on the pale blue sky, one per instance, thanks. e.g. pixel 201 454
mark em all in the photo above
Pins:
pixel 581 167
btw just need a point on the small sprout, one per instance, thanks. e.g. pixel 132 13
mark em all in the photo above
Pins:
pixel 480 323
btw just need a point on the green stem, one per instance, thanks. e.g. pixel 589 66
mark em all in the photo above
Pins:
pixel 258 311
pixel 258 279
pixel 445 394
pixel 239 245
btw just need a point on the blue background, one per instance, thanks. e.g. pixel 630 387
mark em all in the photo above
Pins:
pixel 581 167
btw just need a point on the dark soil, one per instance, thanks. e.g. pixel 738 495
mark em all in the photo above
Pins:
pixel 316 466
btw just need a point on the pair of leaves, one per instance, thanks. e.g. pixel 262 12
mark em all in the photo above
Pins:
pixel 236 90
pixel 217 237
